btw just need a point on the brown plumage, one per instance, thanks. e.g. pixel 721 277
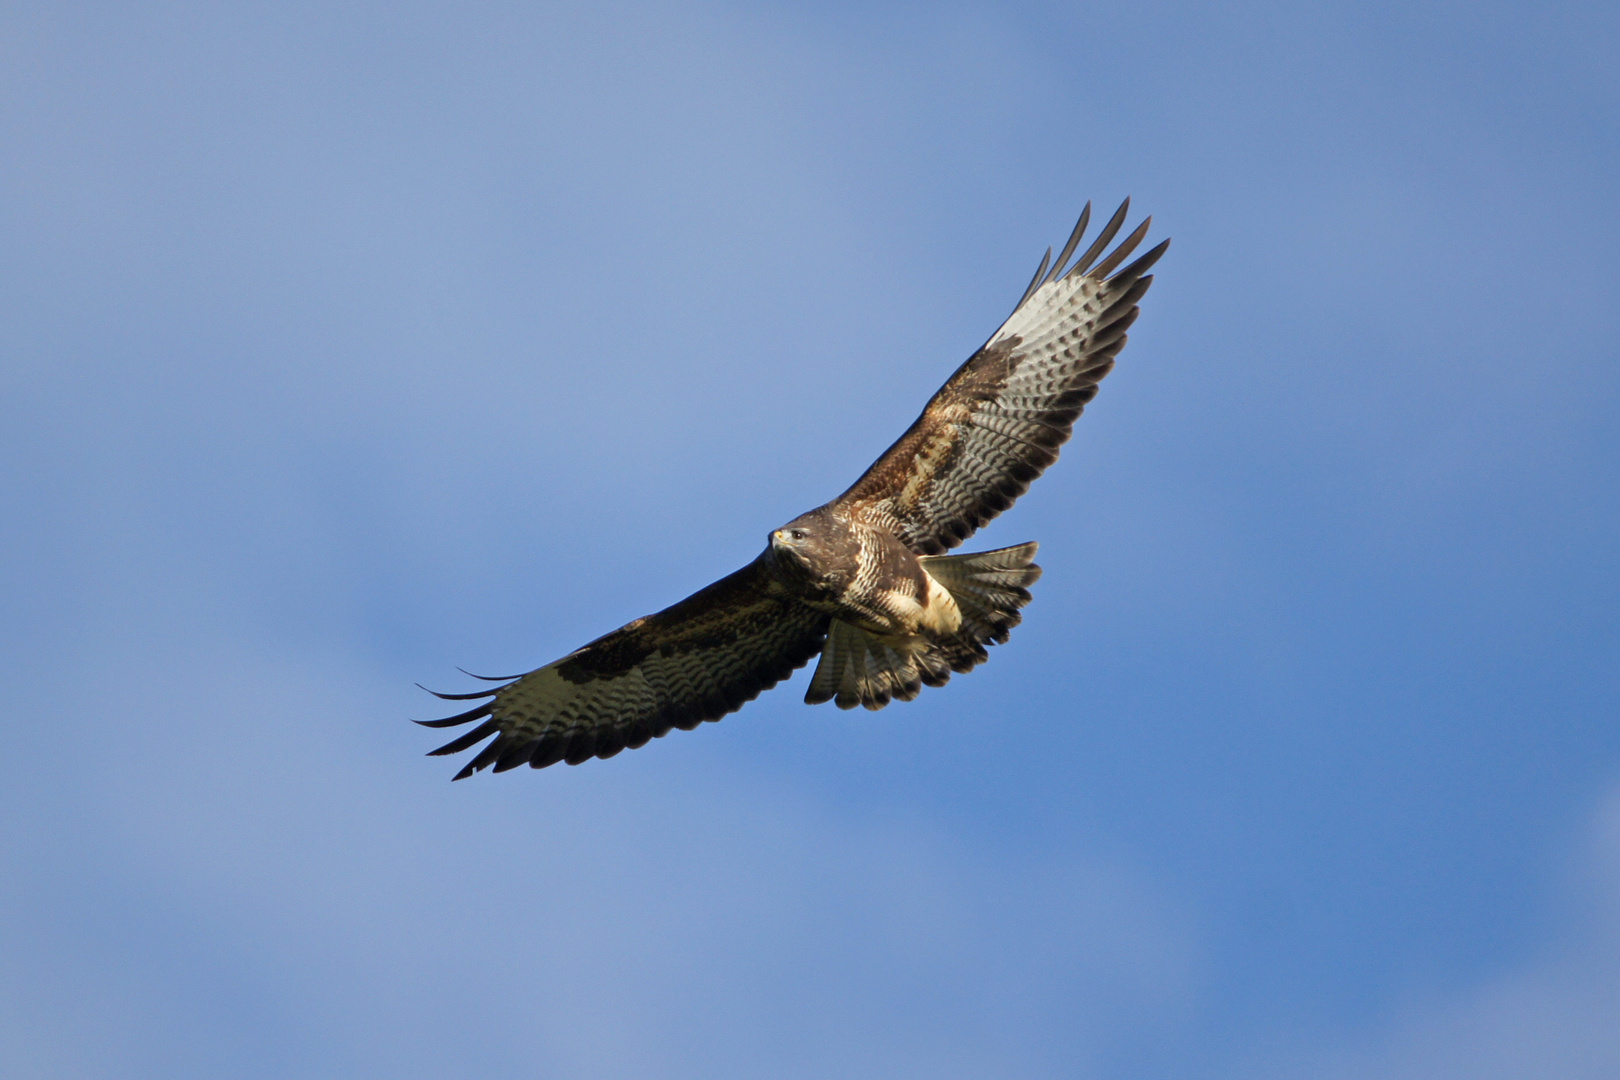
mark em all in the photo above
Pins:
pixel 863 580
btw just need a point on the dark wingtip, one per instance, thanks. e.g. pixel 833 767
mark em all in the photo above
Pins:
pixel 460 718
pixel 459 697
pixel 1035 282
pixel 1061 262
pixel 1143 264
pixel 1083 263
pixel 476 735
pixel 1123 251
pixel 485 678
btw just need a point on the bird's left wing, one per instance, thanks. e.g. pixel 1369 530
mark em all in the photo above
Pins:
pixel 998 422
pixel 698 660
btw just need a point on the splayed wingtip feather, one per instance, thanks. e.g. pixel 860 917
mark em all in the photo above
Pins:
pixel 1083 264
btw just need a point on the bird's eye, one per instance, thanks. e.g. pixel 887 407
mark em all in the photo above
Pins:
pixel 799 534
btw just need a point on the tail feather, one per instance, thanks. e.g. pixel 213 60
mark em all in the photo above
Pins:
pixel 989 588
pixel 842 669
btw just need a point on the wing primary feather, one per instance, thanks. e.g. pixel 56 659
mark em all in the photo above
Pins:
pixel 456 746
pixel 517 754
pixel 461 718
pixel 485 678
pixel 1126 246
pixel 1116 329
pixel 1035 282
pixel 581 748
pixel 549 754
pixel 459 697
pixel 1120 306
pixel 1084 262
pixel 497 747
pixel 609 743
pixel 1074 242
pixel 1142 265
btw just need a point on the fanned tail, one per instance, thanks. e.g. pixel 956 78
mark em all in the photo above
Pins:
pixel 989 587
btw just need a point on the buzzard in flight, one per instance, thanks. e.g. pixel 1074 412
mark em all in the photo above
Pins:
pixel 864 580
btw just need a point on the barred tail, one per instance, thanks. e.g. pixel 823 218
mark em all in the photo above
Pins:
pixel 989 587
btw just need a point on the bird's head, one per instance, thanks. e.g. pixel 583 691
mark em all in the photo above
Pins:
pixel 797 538
pixel 806 543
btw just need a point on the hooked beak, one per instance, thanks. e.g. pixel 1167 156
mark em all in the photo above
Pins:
pixel 782 547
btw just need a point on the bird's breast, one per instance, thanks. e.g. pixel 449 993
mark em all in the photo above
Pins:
pixel 891 595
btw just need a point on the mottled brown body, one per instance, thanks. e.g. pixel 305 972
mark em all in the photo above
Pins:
pixel 863 580
pixel 859 573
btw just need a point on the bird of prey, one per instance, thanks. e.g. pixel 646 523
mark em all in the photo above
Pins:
pixel 863 580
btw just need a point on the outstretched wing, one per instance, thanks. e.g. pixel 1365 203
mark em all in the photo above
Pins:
pixel 699 660
pixel 998 422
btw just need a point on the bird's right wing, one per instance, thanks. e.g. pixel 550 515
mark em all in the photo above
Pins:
pixel 998 422
pixel 698 660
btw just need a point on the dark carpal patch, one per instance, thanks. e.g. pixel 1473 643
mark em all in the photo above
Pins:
pixel 708 619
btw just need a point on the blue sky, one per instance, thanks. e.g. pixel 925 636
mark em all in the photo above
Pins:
pixel 344 345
